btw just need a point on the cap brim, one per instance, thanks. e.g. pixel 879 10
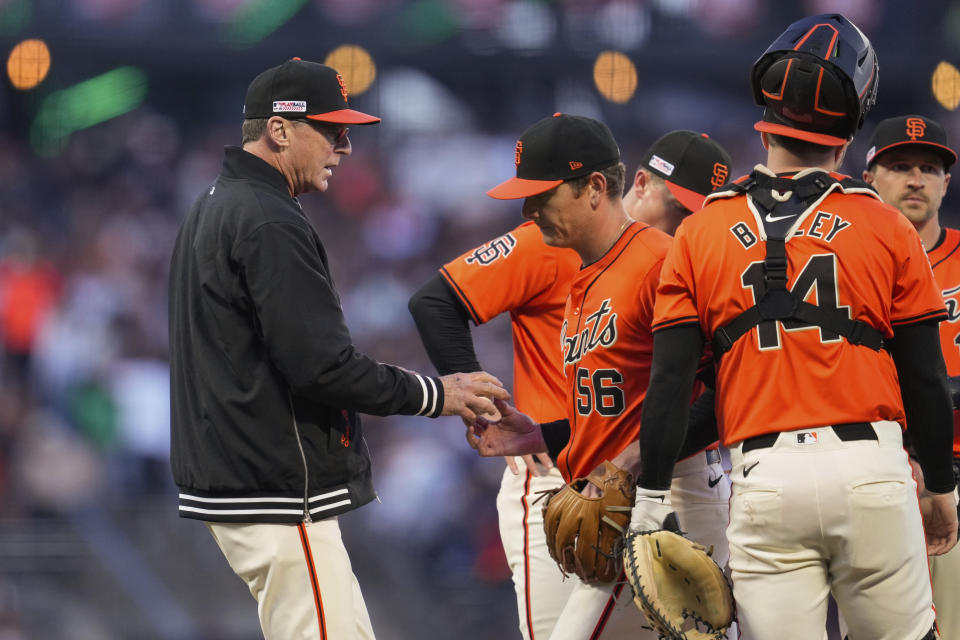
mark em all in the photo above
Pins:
pixel 687 197
pixel 515 188
pixel 948 154
pixel 800 134
pixel 345 116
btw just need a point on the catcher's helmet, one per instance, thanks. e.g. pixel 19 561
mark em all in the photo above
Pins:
pixel 816 81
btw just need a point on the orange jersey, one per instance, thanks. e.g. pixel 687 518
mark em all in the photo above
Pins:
pixel 850 251
pixel 608 348
pixel 945 261
pixel 518 273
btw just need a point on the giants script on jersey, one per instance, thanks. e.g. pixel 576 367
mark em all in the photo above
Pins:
pixel 600 330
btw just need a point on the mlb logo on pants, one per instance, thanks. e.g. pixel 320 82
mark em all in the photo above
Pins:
pixel 807 437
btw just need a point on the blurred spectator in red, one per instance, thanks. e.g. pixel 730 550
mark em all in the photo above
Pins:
pixel 29 289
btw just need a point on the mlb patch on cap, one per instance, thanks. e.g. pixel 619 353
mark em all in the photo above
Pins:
pixel 691 164
pixel 557 149
pixel 910 131
pixel 301 89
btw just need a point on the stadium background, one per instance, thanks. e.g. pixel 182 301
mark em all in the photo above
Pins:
pixel 101 155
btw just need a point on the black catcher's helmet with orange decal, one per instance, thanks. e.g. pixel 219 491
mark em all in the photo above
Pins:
pixel 816 81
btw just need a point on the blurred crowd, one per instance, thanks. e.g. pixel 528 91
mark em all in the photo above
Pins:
pixel 84 408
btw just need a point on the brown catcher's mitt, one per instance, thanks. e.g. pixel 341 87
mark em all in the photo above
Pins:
pixel 585 535
pixel 677 585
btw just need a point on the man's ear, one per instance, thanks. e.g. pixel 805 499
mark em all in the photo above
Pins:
pixel 598 188
pixel 841 152
pixel 278 131
pixel 641 182
pixel 868 176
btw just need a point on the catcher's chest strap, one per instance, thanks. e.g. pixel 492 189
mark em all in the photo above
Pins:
pixel 778 215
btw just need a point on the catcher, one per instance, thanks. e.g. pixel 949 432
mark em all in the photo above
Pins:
pixel 570 174
pixel 813 392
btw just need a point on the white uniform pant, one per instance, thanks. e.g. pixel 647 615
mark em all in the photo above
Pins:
pixel 301 578
pixel 816 515
pixel 945 573
pixel 541 588
pixel 700 493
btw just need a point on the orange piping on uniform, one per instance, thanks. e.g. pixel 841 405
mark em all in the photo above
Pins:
pixel 611 601
pixel 312 571
pixel 526 554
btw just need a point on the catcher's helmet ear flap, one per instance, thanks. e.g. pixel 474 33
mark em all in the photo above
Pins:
pixel 817 80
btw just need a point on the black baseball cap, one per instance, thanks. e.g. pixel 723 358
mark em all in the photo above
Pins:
pixel 691 164
pixel 913 131
pixel 557 149
pixel 301 89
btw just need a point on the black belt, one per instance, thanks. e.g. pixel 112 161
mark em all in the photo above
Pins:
pixel 846 432
pixel 713 456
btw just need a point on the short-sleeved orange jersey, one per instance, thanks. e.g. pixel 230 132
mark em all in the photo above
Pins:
pixel 518 273
pixel 945 261
pixel 849 251
pixel 608 348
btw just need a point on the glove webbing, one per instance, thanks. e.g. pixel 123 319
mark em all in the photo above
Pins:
pixel 660 618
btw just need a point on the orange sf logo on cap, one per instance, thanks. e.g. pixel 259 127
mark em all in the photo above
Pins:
pixel 343 87
pixel 916 128
pixel 574 165
pixel 720 173
pixel 518 153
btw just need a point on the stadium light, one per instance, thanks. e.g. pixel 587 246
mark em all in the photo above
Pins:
pixel 28 64
pixel 946 85
pixel 355 65
pixel 615 76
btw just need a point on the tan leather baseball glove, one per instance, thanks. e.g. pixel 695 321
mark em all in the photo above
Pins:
pixel 677 585
pixel 585 535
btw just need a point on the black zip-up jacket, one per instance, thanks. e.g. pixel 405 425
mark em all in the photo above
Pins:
pixel 265 381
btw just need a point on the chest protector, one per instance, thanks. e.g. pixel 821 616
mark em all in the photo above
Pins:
pixel 781 203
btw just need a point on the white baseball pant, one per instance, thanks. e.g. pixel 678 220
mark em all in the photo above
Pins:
pixel 540 586
pixel 813 514
pixel 945 576
pixel 700 493
pixel 301 577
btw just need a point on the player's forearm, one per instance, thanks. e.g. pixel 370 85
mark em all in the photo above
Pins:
pixel 676 354
pixel 556 434
pixel 443 324
pixel 701 425
pixel 926 401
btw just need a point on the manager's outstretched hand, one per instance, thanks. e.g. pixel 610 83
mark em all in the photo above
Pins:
pixel 470 395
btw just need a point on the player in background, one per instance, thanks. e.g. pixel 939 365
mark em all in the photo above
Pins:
pixel 818 299
pixel 520 274
pixel 908 163
pixel 570 175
